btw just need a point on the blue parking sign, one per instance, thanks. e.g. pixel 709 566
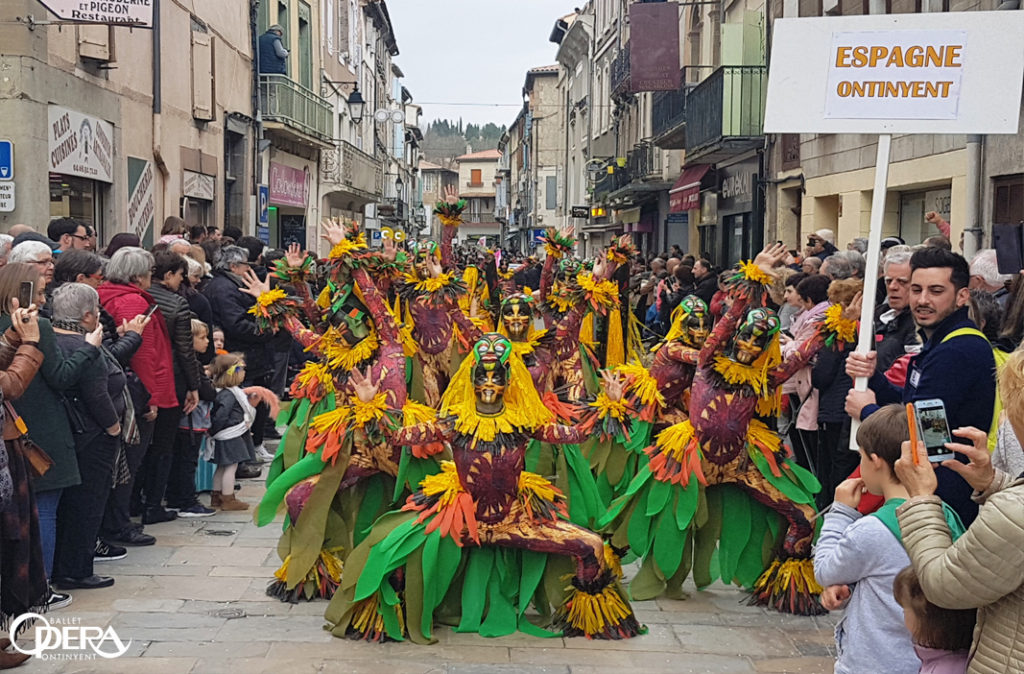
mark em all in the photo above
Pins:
pixel 264 197
pixel 6 160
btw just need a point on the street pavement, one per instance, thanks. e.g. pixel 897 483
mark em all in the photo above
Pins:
pixel 195 603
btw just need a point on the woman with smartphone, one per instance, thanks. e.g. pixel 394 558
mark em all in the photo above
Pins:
pixel 44 432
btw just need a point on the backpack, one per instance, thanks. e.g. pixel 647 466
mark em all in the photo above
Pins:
pixel 1000 357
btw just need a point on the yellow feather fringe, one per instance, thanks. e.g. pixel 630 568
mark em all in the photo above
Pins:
pixel 754 375
pixel 348 246
pixel 754 273
pixel 616 352
pixel 641 384
pixel 340 354
pixel 446 483
pixel 594 613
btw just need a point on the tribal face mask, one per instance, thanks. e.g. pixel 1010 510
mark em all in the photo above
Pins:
pixel 754 335
pixel 516 316
pixel 490 372
pixel 695 322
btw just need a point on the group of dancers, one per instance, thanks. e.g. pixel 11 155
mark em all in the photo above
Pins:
pixel 447 460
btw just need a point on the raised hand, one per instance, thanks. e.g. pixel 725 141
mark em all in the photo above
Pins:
pixel 294 255
pixel 567 232
pixel 389 248
pixel 599 267
pixel 979 473
pixel 333 231
pixel 25 321
pixel 771 256
pixel 614 387
pixel 434 266
pixel 917 476
pixel 451 195
pixel 136 325
pixel 253 285
pixel 364 387
pixel 852 310
pixel 95 337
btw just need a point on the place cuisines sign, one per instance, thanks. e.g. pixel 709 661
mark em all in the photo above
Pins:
pixel 951 72
pixel 138 13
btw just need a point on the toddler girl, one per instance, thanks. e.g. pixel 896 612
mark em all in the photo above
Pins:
pixel 942 637
pixel 233 414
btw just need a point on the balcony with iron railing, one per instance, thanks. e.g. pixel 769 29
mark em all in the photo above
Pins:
pixel 361 173
pixel 668 113
pixel 289 107
pixel 644 161
pixel 725 113
pixel 619 73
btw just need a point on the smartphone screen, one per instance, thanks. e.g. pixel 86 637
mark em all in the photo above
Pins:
pixel 931 418
pixel 26 294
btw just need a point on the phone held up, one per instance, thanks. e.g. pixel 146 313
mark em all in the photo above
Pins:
pixel 933 429
pixel 26 296
pixel 152 309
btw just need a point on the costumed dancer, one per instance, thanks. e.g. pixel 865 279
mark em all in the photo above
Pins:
pixel 333 480
pixel 723 465
pixel 482 540
pixel 659 396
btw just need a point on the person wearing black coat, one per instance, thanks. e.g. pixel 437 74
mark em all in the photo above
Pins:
pixel 706 280
pixel 833 459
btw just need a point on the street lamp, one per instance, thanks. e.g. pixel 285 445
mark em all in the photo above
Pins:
pixel 398 187
pixel 356 105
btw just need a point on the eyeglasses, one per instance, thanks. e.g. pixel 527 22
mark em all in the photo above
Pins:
pixel 48 262
pixel 80 237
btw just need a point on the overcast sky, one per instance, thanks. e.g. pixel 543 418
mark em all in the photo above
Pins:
pixel 473 51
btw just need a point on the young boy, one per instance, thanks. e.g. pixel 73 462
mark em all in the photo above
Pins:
pixel 857 556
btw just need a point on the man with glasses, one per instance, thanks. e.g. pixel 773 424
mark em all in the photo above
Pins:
pixel 69 233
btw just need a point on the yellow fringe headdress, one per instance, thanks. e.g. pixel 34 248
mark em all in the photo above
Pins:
pixel 754 375
pixel 523 409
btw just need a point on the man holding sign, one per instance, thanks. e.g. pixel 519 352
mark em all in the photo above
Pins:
pixel 956 364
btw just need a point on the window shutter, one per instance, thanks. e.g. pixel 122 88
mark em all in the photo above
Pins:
pixel 550 193
pixel 202 76
pixel 95 42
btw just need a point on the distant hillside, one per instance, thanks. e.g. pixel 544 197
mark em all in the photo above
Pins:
pixel 445 139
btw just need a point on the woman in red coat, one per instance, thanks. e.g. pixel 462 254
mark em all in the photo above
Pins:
pixel 124 297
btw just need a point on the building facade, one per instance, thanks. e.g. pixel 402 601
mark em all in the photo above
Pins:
pixel 106 133
pixel 478 173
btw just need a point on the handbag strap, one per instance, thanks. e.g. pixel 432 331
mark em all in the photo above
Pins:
pixel 19 423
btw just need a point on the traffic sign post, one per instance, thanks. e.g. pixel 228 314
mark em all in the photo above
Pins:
pixel 6 160
pixel 264 195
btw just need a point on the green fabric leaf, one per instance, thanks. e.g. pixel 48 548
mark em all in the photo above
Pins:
pixel 640 526
pixel 615 467
pixel 308 467
pixel 639 437
pixel 668 542
pixel 584 487
pixel 674 585
pixel 659 496
pixel 638 483
pixel 793 491
pixel 384 557
pixel 706 540
pixel 478 572
pixel 686 505
pixel 308 532
pixel 751 565
pixel 805 477
pixel 533 564
pixel 532 456
pixel 501 618
pixel 648 582
pixel 370 507
pixel 735 529
pixel 417 619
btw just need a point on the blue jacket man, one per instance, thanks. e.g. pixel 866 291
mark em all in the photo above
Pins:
pixel 958 370
pixel 272 54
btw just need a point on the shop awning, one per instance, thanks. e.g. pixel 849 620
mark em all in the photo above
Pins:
pixel 628 215
pixel 685 193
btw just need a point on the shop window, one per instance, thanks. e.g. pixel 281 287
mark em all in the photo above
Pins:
pixel 914 205
pixel 202 72
pixel 74 197
pixel 1008 200
pixel 234 180
pixel 96 42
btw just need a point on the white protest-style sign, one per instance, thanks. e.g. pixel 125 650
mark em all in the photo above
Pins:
pixel 941 72
pixel 138 13
pixel 80 145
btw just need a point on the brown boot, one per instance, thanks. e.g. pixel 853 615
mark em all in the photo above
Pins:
pixel 12 660
pixel 229 502
pixel 215 499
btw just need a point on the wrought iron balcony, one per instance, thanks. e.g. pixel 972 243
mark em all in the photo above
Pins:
pixel 285 101
pixel 644 160
pixel 609 183
pixel 360 171
pixel 668 117
pixel 725 113
pixel 619 74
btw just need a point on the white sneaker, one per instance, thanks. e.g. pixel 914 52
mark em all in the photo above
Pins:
pixel 263 455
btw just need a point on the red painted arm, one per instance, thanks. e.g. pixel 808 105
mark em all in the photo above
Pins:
pixel 723 330
pixel 798 359
pixel 558 434
pixel 377 305
pixel 309 305
pixel 447 258
pixel 680 352
pixel 303 335
pixel 423 433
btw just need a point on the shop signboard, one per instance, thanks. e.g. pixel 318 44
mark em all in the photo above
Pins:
pixel 80 145
pixel 137 13
pixel 198 185
pixel 141 204
pixel 288 186
pixel 6 196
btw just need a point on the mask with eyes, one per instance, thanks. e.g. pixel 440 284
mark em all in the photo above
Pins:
pixel 754 335
pixel 490 372
pixel 423 249
pixel 567 269
pixel 695 322
pixel 516 316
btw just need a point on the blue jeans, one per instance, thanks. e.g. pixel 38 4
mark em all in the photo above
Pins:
pixel 46 504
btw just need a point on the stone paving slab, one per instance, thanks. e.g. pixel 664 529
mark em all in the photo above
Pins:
pixel 195 603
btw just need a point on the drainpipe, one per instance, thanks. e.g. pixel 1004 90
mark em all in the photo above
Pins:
pixel 157 129
pixel 257 116
pixel 972 231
